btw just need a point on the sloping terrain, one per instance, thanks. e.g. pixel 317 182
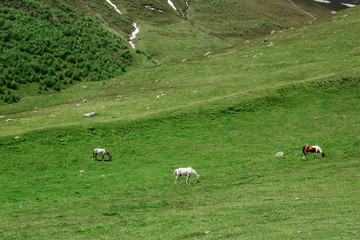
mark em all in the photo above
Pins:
pixel 283 58
pixel 226 113
pixel 50 44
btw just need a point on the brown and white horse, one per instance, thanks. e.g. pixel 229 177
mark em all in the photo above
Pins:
pixel 314 149
pixel 102 152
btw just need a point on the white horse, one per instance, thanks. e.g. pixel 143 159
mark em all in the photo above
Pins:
pixel 185 172
pixel 102 152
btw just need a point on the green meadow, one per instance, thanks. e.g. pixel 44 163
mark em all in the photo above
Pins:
pixel 225 112
pixel 52 189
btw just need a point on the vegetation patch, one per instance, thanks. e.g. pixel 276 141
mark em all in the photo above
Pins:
pixel 54 47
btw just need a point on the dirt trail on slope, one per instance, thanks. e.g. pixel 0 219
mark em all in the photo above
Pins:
pixel 306 12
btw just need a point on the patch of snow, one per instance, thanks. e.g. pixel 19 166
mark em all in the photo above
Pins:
pixel 133 35
pixel 322 1
pixel 150 7
pixel 348 4
pixel 114 6
pixel 172 5
pixel 153 9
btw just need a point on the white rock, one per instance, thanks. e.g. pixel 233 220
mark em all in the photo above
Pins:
pixel 89 114
pixel 279 154
pixel 8 120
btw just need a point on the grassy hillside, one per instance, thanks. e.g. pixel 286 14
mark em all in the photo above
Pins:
pixel 48 45
pixel 296 55
pixel 51 187
pixel 226 113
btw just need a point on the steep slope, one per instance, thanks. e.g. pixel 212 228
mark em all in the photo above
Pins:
pixel 318 50
pixel 50 44
pixel 55 47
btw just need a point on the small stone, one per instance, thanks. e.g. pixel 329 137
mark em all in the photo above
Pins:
pixel 297 199
pixel 51 116
pixel 207 232
pixel 89 114
pixel 279 154
pixel 299 232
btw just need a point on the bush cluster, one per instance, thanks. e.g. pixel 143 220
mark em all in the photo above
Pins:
pixel 55 47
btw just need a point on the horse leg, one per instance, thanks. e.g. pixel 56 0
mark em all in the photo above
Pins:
pixel 103 157
pixel 187 179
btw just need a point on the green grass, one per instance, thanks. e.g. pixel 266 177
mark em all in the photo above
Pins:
pixel 245 191
pixel 298 55
pixel 226 115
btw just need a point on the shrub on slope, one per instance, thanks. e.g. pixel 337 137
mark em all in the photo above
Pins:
pixel 54 47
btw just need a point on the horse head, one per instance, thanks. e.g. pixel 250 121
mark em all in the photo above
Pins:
pixel 323 155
